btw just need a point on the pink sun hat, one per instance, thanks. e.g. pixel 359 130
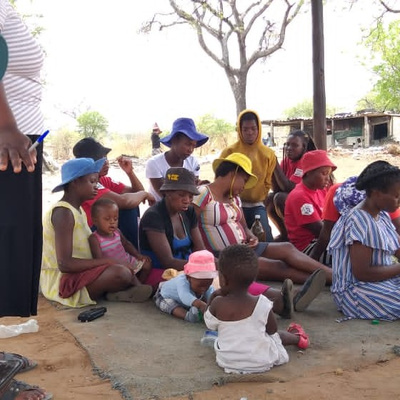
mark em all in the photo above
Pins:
pixel 201 265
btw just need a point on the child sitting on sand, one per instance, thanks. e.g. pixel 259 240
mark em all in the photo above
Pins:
pixel 248 340
pixel 107 241
pixel 186 295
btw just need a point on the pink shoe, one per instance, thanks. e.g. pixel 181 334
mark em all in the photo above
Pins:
pixel 297 329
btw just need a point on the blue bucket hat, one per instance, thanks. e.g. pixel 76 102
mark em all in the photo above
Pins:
pixel 74 169
pixel 3 57
pixel 188 128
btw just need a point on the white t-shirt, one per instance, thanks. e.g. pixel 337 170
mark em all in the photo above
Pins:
pixel 157 166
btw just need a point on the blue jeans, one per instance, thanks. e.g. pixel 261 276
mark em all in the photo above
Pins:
pixel 251 212
pixel 128 224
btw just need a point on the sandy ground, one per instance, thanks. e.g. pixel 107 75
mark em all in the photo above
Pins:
pixel 66 365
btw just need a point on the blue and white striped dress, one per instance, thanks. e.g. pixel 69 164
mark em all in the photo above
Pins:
pixel 358 299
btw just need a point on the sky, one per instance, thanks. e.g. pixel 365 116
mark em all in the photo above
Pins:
pixel 96 60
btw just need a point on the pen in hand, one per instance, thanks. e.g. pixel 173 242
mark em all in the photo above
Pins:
pixel 39 140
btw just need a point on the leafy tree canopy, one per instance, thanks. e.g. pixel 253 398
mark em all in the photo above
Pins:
pixel 92 124
pixel 305 109
pixel 384 43
pixel 217 129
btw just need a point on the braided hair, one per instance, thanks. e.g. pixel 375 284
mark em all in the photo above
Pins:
pixel 379 175
pixel 309 144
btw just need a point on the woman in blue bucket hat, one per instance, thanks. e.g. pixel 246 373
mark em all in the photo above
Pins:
pixel 182 141
pixel 69 273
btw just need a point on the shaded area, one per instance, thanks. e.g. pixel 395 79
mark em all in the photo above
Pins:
pixel 149 355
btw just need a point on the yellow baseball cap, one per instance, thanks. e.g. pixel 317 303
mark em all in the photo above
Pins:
pixel 242 161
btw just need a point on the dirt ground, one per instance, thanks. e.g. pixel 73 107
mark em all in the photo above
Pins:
pixel 66 366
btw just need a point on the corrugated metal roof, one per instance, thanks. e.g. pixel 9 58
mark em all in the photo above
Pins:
pixel 335 117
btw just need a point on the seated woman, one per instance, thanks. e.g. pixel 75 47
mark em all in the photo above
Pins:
pixel 303 209
pixel 222 223
pixel 297 144
pixel 168 230
pixel 366 280
pixel 69 273
pixel 182 141
pixel 169 234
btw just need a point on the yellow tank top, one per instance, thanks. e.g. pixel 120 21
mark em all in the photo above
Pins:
pixel 50 274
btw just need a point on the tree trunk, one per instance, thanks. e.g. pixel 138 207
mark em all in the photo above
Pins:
pixel 238 85
pixel 319 99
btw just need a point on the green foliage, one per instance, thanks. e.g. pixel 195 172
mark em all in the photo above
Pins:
pixel 384 44
pixel 305 109
pixel 92 124
pixel 219 130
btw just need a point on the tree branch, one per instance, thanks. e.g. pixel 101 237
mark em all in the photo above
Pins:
pixel 389 9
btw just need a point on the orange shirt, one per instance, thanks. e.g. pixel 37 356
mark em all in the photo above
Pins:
pixel 330 212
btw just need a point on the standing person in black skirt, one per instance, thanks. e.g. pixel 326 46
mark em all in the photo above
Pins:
pixel 21 194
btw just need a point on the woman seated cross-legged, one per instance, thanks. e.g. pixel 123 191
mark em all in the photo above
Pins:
pixel 169 234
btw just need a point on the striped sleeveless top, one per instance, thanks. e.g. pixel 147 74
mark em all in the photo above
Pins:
pixel 22 79
pixel 111 247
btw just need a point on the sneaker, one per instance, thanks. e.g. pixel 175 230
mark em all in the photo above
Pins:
pixel 310 290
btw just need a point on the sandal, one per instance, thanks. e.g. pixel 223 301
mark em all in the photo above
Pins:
pixel 287 296
pixel 27 364
pixel 297 329
pixel 18 387
pixel 310 290
pixel 135 294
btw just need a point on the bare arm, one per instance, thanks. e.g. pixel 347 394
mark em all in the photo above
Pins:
pixel 315 228
pixel 95 247
pixel 126 165
pixel 128 246
pixel 157 183
pixel 63 222
pixel 323 239
pixel 14 144
pixel 361 257
pixel 200 304
pixel 197 240
pixel 272 325
pixel 281 180
pixel 251 239
pixel 129 200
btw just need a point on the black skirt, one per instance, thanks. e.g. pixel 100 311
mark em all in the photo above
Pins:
pixel 21 238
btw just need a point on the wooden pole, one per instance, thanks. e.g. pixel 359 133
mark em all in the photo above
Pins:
pixel 319 99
